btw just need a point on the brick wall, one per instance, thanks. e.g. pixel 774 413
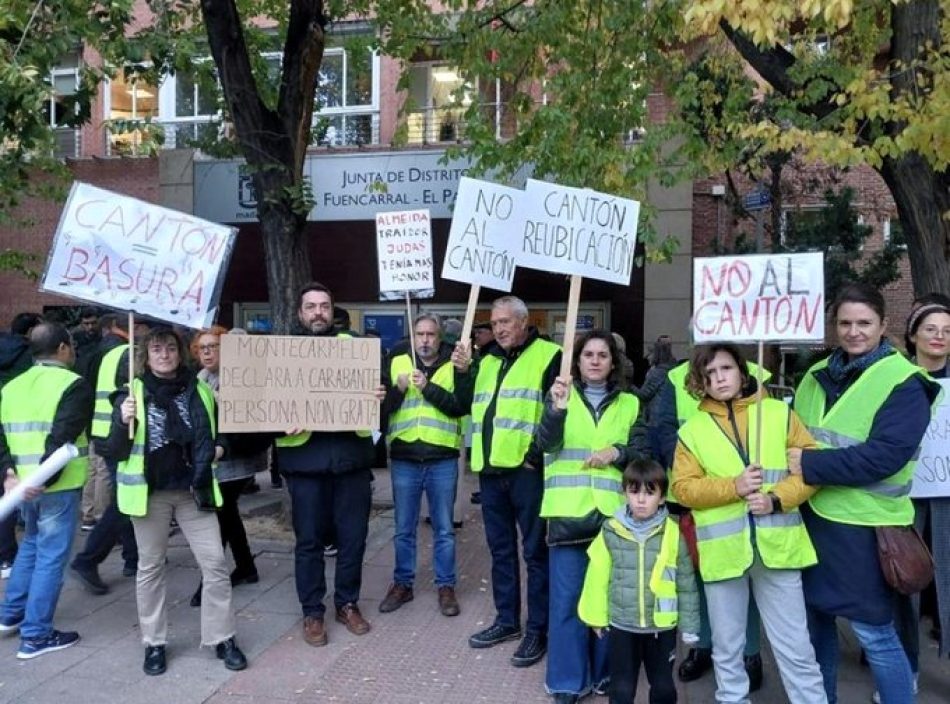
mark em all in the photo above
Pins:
pixel 134 177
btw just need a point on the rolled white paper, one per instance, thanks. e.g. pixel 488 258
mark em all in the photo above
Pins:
pixel 50 466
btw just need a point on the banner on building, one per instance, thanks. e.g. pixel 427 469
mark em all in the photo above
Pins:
pixel 481 243
pixel 285 382
pixel 404 253
pixel 759 297
pixel 577 231
pixel 932 472
pixel 117 251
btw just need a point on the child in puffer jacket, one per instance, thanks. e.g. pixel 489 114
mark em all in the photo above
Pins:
pixel 640 586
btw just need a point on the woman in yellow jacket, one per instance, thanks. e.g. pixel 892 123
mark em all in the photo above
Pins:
pixel 749 532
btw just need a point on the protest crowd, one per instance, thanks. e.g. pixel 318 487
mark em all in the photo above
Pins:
pixel 695 507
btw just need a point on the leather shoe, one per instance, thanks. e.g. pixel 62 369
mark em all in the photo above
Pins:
pixel 231 654
pixel 244 577
pixel 696 664
pixel 448 603
pixel 349 615
pixel 89 576
pixel 753 668
pixel 154 659
pixel 396 596
pixel 314 632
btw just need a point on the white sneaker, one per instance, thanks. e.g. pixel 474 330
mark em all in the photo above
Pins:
pixel 5 569
pixel 876 697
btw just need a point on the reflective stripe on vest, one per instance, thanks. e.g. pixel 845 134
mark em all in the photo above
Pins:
pixel 723 534
pixel 418 420
pixel 131 484
pixel 663 578
pixel 517 408
pixel 572 490
pixel 28 405
pixel 105 385
pixel 686 404
pixel 847 424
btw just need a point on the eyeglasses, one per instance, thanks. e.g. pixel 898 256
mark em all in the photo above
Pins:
pixel 208 348
pixel 933 331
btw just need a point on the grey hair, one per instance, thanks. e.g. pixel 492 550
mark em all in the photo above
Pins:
pixel 517 306
pixel 428 316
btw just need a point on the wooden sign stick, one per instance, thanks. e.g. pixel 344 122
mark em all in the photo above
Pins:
pixel 132 366
pixel 412 333
pixel 570 323
pixel 470 314
pixel 760 394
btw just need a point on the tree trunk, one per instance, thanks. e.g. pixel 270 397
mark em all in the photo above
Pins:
pixel 922 196
pixel 287 259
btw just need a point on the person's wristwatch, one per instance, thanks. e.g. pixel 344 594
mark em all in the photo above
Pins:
pixel 776 503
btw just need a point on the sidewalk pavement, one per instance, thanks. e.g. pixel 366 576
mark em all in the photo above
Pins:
pixel 411 656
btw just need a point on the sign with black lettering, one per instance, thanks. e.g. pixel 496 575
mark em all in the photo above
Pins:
pixel 480 239
pixel 932 473
pixel 759 297
pixel 578 231
pixel 404 251
pixel 284 382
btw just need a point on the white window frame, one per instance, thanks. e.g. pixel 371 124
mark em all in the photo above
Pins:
pixel 886 232
pixel 62 129
pixel 353 111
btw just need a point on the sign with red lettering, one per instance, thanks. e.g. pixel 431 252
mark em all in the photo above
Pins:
pixel 404 250
pixel 932 471
pixel 121 252
pixel 759 297
pixel 479 249
pixel 577 231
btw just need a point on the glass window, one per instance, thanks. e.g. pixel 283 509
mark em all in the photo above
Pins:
pixel 132 106
pixel 438 97
pixel 346 112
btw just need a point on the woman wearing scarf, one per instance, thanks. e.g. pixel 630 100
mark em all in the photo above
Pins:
pixel 165 473
pixel 749 531
pixel 589 431
pixel 868 407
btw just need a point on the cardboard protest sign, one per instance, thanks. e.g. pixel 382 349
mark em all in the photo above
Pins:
pixel 759 297
pixel 482 233
pixel 932 472
pixel 281 382
pixel 577 231
pixel 404 250
pixel 117 251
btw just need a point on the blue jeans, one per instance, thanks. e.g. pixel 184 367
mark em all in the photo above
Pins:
pixel 437 479
pixel 37 578
pixel 889 665
pixel 511 501
pixel 577 658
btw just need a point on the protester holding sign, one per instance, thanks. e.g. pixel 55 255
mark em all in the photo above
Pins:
pixel 868 407
pixel 748 529
pixel 512 379
pixel 589 432
pixel 165 473
pixel 328 475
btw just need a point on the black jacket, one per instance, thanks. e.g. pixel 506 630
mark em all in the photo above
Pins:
pixel 118 446
pixel 452 403
pixel 335 452
pixel 15 356
pixel 73 415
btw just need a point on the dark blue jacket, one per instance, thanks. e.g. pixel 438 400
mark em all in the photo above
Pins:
pixel 664 424
pixel 847 581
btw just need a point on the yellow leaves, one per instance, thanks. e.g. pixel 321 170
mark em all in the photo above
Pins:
pixel 765 21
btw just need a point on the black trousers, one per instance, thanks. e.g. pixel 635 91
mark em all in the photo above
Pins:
pixel 627 651
pixel 232 527
pixel 111 528
pixel 323 504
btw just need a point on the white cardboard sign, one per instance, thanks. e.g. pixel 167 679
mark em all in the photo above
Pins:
pixel 482 236
pixel 404 250
pixel 578 231
pixel 932 472
pixel 117 251
pixel 759 297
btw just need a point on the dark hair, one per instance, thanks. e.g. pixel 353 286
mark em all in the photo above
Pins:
pixel 703 356
pixel 24 322
pixel 46 338
pixel 662 351
pixel 341 317
pixel 916 319
pixel 108 321
pixel 933 298
pixel 616 376
pixel 313 286
pixel 160 333
pixel 859 293
pixel 645 473
pixel 88 312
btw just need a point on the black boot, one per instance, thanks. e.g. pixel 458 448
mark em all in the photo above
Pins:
pixel 154 659
pixel 231 654
pixel 753 668
pixel 696 664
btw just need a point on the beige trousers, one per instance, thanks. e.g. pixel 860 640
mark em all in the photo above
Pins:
pixel 97 491
pixel 200 529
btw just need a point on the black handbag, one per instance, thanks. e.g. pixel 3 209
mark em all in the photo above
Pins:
pixel 575 531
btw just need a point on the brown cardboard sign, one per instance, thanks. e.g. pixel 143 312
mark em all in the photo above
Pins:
pixel 283 382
